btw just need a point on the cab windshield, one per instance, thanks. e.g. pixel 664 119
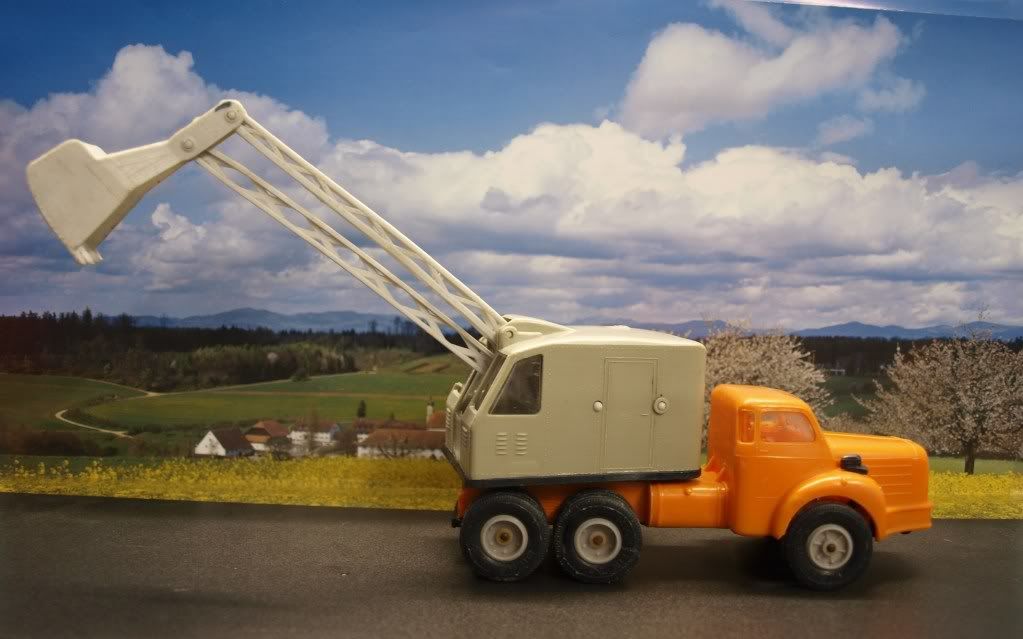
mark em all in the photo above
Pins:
pixel 480 391
pixel 466 394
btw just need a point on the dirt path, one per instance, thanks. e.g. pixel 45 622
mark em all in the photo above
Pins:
pixel 116 433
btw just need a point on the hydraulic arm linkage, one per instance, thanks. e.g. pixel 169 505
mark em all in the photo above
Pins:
pixel 83 193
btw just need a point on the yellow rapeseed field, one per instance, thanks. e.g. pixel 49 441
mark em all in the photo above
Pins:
pixel 395 483
pixel 962 496
pixel 321 481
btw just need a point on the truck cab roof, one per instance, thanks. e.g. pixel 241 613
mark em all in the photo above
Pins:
pixel 743 396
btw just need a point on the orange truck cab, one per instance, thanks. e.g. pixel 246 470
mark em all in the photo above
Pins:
pixel 771 471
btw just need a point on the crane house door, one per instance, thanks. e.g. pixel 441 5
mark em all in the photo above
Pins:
pixel 629 386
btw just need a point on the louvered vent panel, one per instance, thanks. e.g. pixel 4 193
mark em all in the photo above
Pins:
pixel 521 443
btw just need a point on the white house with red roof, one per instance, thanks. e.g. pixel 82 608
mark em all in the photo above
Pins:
pixel 224 442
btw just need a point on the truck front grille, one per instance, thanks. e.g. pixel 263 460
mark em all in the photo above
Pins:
pixel 894 476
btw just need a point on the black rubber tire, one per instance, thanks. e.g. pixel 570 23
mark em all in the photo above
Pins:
pixel 525 509
pixel 607 505
pixel 806 572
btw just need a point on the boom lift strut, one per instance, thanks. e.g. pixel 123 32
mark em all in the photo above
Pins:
pixel 84 193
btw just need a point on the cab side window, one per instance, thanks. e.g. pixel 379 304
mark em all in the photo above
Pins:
pixel 785 426
pixel 520 394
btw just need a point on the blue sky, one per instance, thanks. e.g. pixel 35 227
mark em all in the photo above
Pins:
pixel 442 76
pixel 923 100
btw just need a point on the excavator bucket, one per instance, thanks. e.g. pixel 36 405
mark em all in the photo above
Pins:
pixel 83 192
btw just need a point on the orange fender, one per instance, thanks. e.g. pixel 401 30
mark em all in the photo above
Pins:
pixel 836 485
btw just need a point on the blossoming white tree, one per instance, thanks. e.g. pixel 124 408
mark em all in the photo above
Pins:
pixel 961 397
pixel 773 359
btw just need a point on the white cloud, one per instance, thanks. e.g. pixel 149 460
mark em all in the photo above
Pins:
pixel 895 94
pixel 146 94
pixel 837 158
pixel 691 76
pixel 144 97
pixel 565 221
pixel 759 21
pixel 842 129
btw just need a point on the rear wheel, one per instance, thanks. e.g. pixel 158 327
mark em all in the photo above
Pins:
pixel 828 546
pixel 505 536
pixel 597 538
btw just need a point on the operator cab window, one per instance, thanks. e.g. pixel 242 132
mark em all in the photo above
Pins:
pixel 785 426
pixel 521 392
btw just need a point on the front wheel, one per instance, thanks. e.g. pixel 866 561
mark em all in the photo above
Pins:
pixel 828 546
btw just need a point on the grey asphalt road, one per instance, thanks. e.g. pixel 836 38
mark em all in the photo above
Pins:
pixel 91 567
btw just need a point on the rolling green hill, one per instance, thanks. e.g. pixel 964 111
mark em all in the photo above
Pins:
pixel 171 423
pixel 211 407
pixel 434 385
pixel 402 390
pixel 31 400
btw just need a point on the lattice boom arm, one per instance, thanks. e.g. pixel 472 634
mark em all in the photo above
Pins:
pixel 83 193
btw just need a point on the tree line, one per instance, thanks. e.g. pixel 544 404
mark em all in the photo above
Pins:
pixel 116 349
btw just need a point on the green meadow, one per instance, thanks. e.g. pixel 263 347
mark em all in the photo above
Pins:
pixel 392 392
pixel 210 407
pixel 32 400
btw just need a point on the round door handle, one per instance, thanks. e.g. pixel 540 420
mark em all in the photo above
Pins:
pixel 598 406
pixel 661 405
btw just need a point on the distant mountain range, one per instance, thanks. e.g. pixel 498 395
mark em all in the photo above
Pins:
pixel 692 328
pixel 354 320
pixel 260 318
pixel 699 329
pixel 857 329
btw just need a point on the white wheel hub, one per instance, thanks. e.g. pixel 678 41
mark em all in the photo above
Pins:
pixel 829 546
pixel 598 540
pixel 504 538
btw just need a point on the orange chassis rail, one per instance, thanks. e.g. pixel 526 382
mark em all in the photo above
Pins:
pixel 704 503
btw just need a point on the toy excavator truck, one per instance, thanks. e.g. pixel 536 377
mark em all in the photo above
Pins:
pixel 594 431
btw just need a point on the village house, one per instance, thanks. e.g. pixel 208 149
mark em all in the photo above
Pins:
pixel 224 442
pixel 401 442
pixel 263 435
pixel 436 421
pixel 306 438
pixel 363 426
